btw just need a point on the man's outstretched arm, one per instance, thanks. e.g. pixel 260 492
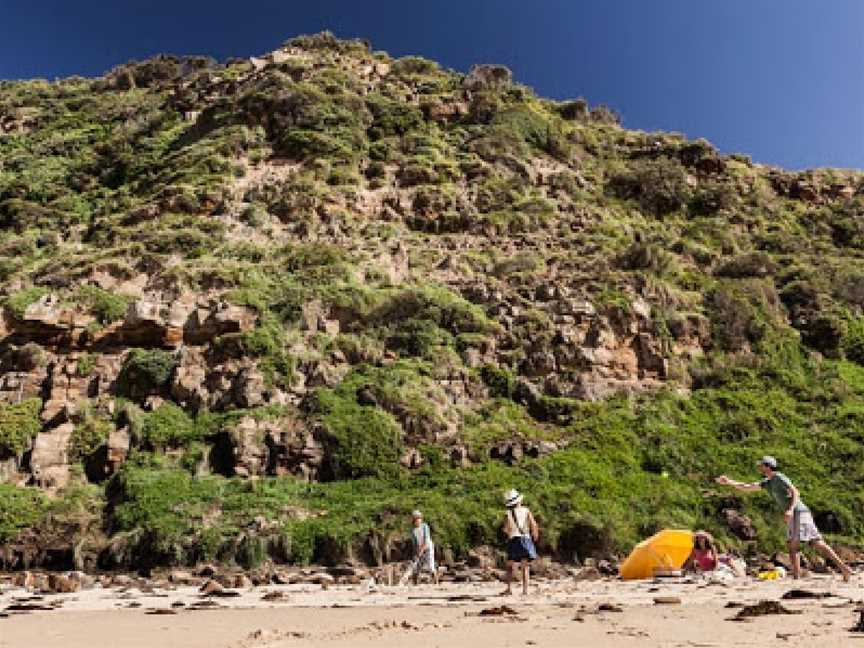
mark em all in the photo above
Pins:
pixel 753 487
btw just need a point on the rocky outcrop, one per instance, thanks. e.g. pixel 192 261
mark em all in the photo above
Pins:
pixel 49 460
pixel 488 77
pixel 286 446
pixel 585 352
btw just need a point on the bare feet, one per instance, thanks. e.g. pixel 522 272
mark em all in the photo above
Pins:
pixel 506 592
pixel 847 574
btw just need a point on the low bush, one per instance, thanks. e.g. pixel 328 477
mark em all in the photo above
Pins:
pixel 853 341
pixel 106 306
pixel 88 435
pixel 364 440
pixel 743 313
pixel 168 426
pixel 18 302
pixel 659 185
pixel 19 423
pixel 20 508
pixel 146 371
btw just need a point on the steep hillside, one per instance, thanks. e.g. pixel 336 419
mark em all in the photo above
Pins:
pixel 265 308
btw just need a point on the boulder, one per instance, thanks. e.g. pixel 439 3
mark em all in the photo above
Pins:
pixel 740 525
pixel 488 77
pixel 218 318
pixel 63 584
pixel 25 579
pixel 249 447
pixel 119 442
pixel 321 578
pixel 49 461
pixel 249 388
pixel 181 577
pixel 211 588
pixel 484 557
pixel 188 386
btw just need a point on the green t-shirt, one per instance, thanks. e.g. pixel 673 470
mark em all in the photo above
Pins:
pixel 778 485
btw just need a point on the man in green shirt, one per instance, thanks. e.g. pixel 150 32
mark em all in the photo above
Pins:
pixel 800 526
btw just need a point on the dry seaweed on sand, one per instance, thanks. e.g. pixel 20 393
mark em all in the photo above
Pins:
pixel 501 610
pixel 762 608
pixel 795 594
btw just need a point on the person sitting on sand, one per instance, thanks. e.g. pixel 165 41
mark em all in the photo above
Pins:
pixel 424 549
pixel 522 532
pixel 800 526
pixel 704 556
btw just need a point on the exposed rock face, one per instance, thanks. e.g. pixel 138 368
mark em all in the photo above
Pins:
pixel 591 355
pixel 483 77
pixel 49 461
pixel 281 447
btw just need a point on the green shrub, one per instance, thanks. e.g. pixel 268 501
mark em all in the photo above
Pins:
pixel 419 337
pixel 18 302
pixel 714 196
pixel 106 306
pixel 743 313
pixel 853 342
pixel 267 343
pixel 649 257
pixel 19 423
pixel 168 426
pixel 85 365
pixel 534 128
pixel 391 118
pixel 752 264
pixel 147 370
pixel 500 381
pixel 88 435
pixel 437 304
pixel 413 65
pixel 254 215
pixel 659 186
pixel 365 441
pixel 20 508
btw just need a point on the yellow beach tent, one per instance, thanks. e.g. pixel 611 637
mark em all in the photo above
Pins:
pixel 667 549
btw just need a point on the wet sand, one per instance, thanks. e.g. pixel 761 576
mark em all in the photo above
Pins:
pixel 555 614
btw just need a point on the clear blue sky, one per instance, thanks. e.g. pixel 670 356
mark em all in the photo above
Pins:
pixel 781 80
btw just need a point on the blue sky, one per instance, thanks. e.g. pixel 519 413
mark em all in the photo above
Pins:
pixel 780 80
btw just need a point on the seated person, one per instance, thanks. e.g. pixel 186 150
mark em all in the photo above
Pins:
pixel 704 555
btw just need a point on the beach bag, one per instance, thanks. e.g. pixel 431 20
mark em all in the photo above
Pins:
pixel 524 539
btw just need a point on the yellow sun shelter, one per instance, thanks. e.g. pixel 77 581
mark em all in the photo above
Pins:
pixel 665 550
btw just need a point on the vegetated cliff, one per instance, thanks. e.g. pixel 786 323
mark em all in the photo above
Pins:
pixel 262 309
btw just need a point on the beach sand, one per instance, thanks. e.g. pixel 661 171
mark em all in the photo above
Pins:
pixel 562 613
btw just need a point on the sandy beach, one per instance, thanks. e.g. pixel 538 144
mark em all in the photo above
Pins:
pixel 562 613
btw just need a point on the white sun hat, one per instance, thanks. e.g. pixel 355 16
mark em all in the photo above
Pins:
pixel 512 498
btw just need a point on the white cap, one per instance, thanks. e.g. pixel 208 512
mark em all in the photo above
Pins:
pixel 769 461
pixel 416 514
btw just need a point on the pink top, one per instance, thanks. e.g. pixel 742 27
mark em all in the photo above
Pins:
pixel 705 559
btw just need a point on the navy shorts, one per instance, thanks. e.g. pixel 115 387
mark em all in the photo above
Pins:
pixel 521 548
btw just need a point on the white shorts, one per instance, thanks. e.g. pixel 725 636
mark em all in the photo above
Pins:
pixel 802 528
pixel 426 562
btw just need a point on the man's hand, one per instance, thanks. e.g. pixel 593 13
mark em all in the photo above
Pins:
pixel 723 480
